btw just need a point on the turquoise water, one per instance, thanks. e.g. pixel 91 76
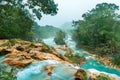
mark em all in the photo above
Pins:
pixel 79 53
pixel 60 52
pixel 93 64
pixel 62 71
pixel 36 71
pixel 49 41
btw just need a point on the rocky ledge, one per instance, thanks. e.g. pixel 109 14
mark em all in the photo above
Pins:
pixel 20 53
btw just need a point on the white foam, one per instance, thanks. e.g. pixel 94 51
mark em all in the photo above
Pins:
pixel 34 69
pixel 109 74
pixel 51 61
pixel 75 67
pixel 49 41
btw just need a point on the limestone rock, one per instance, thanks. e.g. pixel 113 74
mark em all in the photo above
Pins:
pixel 22 53
pixel 18 63
pixel 49 69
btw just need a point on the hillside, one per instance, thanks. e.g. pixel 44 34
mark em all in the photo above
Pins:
pixel 44 31
pixel 67 27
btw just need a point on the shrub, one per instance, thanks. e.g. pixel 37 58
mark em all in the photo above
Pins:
pixel 6 74
pixel 102 77
pixel 59 38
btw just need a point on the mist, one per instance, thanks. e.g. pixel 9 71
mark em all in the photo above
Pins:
pixel 70 10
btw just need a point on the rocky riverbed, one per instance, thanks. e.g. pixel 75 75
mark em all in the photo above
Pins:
pixel 39 61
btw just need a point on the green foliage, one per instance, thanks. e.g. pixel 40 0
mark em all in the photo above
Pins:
pixel 75 58
pixel 99 29
pixel 44 31
pixel 85 76
pixel 102 77
pixel 7 74
pixel 116 60
pixel 46 48
pixel 59 38
pixel 14 23
pixel 16 20
pixel 37 6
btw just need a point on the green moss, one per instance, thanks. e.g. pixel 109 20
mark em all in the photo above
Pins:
pixel 31 45
pixel 13 41
pixel 116 61
pixel 102 77
pixel 85 76
pixel 5 74
pixel 75 58
pixel 45 48
pixel 5 43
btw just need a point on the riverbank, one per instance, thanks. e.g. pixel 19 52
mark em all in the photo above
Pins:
pixel 104 59
pixel 88 56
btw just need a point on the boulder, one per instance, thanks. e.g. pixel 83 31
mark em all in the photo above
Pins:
pixel 4 51
pixel 49 69
pixel 80 75
pixel 17 63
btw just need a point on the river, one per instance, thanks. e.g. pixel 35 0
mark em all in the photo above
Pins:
pixel 63 71
pixel 91 65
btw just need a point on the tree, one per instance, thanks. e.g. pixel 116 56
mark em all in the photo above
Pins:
pixel 14 23
pixel 46 31
pixel 38 7
pixel 16 20
pixel 59 38
pixel 99 28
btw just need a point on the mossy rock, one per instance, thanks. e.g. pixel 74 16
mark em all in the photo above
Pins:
pixel 7 72
pixel 116 61
pixel 102 77
pixel 4 52
pixel 81 75
pixel 75 58
pixel 4 43
pixel 45 48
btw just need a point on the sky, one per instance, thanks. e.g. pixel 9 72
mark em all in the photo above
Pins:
pixel 70 10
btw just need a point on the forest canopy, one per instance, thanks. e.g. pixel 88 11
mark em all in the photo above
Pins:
pixel 38 7
pixel 99 29
pixel 16 20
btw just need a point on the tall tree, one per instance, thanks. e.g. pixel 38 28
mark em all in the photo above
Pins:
pixel 60 38
pixel 14 23
pixel 16 18
pixel 38 7
pixel 99 28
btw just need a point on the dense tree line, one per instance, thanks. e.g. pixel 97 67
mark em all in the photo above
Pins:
pixel 14 23
pixel 16 20
pixel 99 29
pixel 42 32
pixel 37 6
